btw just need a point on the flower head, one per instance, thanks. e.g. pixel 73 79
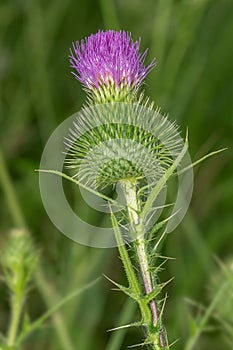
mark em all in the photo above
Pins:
pixel 109 65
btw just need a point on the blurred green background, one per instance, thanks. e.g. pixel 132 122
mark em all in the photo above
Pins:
pixel 193 82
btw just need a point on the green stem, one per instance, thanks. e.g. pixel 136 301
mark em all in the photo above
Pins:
pixel 146 277
pixel 129 189
pixel 134 287
pixel 10 194
pixel 17 305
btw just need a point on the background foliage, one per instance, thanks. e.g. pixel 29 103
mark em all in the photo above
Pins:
pixel 193 82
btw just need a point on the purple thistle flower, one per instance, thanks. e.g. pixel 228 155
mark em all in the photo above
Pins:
pixel 109 59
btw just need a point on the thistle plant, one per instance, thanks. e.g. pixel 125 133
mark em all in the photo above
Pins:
pixel 119 144
pixel 130 147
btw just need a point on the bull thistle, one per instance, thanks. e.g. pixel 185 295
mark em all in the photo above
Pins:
pixel 121 151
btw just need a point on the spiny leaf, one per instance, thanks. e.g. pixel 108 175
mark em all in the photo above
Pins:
pixel 160 184
pixel 201 160
pixel 132 279
pixel 124 289
pixel 152 295
pixel 65 176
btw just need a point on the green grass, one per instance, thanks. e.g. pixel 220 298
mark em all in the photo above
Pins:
pixel 193 82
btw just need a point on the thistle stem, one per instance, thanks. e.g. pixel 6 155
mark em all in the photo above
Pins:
pixel 129 189
pixel 17 304
pixel 146 277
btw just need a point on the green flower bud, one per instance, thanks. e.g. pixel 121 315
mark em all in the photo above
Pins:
pixel 19 260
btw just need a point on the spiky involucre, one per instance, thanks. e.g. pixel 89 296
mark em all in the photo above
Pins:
pixel 118 141
pixel 110 66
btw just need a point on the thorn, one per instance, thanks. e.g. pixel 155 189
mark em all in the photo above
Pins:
pixel 165 257
pixel 159 268
pixel 187 136
pixel 174 342
pixel 116 289
pixel 163 306
pixel 136 324
pixel 160 240
pixel 167 282
pixel 138 345
pixel 113 282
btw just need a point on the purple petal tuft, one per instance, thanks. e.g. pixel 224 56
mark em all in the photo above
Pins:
pixel 109 58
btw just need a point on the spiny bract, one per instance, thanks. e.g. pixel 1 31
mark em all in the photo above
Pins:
pixel 119 141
